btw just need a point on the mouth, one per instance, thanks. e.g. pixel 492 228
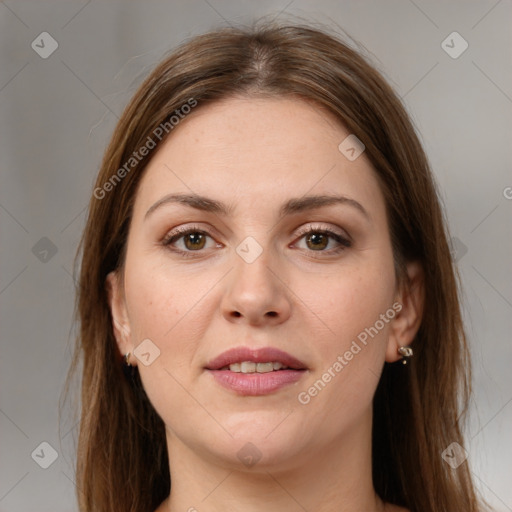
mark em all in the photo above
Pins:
pixel 261 360
pixel 252 367
pixel 255 372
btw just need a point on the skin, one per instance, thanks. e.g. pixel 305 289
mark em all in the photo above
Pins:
pixel 253 154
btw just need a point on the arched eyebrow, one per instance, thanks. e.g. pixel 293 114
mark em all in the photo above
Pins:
pixel 294 205
pixel 194 201
pixel 306 203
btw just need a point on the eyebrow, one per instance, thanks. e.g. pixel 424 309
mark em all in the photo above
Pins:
pixel 193 200
pixel 294 205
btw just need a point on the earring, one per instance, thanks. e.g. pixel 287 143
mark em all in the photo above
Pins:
pixel 129 369
pixel 406 353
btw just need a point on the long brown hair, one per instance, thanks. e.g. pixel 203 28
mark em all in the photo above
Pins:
pixel 122 460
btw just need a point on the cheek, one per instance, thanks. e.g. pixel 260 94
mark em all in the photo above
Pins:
pixel 353 347
pixel 350 301
pixel 165 307
pixel 157 297
pixel 172 308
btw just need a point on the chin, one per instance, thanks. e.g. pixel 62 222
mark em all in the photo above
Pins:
pixel 262 440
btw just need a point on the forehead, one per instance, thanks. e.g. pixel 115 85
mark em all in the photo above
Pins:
pixel 261 150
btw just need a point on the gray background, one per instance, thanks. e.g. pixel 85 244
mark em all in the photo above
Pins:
pixel 58 113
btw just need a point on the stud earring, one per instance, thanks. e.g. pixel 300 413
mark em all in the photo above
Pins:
pixel 406 353
pixel 127 359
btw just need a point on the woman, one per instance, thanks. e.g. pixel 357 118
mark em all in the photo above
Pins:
pixel 264 249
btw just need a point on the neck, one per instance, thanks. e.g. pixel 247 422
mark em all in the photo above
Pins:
pixel 335 477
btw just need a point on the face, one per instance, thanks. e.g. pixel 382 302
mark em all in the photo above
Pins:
pixel 252 230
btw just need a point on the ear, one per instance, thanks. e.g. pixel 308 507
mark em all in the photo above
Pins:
pixel 409 307
pixel 120 322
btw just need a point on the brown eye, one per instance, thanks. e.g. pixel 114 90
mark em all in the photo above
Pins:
pixel 322 241
pixel 317 241
pixel 194 241
pixel 189 240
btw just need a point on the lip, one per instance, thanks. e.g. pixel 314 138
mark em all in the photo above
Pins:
pixel 256 355
pixel 255 384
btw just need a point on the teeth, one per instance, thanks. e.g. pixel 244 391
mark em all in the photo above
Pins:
pixel 264 367
pixel 247 367
pixel 251 367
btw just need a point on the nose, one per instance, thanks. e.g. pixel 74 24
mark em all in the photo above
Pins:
pixel 255 294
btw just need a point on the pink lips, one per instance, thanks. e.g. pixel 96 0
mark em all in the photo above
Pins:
pixel 254 384
pixel 259 355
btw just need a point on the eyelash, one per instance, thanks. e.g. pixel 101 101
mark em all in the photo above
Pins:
pixel 344 243
pixel 181 232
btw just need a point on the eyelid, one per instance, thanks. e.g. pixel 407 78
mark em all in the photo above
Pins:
pixel 179 232
pixel 304 230
pixel 340 237
pixel 188 228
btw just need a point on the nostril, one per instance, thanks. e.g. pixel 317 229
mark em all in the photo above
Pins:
pixel 272 314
